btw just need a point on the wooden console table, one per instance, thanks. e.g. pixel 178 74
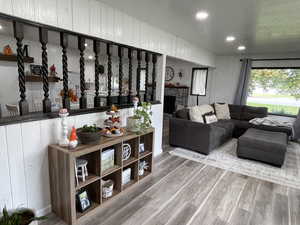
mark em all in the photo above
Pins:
pixel 62 172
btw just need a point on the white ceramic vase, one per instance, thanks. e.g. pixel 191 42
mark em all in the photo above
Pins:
pixel 133 124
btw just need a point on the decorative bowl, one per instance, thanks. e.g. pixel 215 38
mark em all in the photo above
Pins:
pixel 88 137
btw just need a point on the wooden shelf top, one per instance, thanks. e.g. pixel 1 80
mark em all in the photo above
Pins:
pixel 13 58
pixel 103 143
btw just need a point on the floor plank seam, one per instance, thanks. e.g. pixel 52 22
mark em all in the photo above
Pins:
pixel 173 197
pixel 289 207
pixel 208 195
pixel 148 189
pixel 237 203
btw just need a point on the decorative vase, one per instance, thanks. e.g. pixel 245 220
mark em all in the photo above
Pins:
pixel 133 124
pixel 64 141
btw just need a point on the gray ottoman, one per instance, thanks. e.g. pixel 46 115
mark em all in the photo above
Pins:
pixel 265 146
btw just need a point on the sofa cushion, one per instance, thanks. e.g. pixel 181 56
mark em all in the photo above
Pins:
pixel 222 111
pixel 250 112
pixel 183 114
pixel 197 112
pixel 235 111
pixel 286 130
pixel 228 127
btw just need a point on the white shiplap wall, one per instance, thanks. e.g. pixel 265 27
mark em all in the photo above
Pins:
pixel 24 158
pixel 97 19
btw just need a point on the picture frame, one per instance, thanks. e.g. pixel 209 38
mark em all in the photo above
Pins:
pixel 199 81
pixel 36 69
pixel 83 201
pixel 141 147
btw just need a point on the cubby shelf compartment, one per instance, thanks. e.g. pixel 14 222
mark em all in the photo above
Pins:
pixel 125 186
pixel 88 180
pixel 129 161
pixel 62 173
pixel 110 171
pixel 94 205
pixel 144 154
pixel 146 173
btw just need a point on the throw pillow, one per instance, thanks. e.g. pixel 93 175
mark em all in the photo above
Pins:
pixel 197 112
pixel 210 118
pixel 222 111
pixel 196 115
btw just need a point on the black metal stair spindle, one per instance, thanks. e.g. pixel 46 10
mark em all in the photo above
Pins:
pixel 138 87
pixel 147 76
pixel 83 99
pixel 129 76
pixel 97 99
pixel 154 61
pixel 64 45
pixel 109 73
pixel 43 34
pixel 120 54
pixel 19 35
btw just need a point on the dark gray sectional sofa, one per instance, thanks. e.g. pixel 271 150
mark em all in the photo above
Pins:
pixel 205 137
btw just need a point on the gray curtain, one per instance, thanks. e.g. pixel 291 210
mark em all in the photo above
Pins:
pixel 242 90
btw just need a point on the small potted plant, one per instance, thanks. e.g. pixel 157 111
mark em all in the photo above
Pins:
pixel 89 134
pixel 141 120
pixel 143 165
pixel 19 217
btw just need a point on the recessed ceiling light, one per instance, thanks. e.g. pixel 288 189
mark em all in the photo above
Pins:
pixel 1 27
pixel 241 48
pixel 90 57
pixel 85 44
pixel 230 38
pixel 201 15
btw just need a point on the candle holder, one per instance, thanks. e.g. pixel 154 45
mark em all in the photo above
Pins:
pixel 64 141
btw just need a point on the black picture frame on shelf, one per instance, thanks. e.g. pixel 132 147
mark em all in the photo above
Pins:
pixel 36 69
pixel 199 82
pixel 82 201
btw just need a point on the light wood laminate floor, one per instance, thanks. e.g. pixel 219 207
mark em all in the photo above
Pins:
pixel 185 192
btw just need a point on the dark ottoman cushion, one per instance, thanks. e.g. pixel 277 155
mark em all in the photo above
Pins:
pixel 250 112
pixel 265 146
pixel 286 130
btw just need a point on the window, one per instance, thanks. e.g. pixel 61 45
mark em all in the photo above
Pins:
pixel 199 81
pixel 277 89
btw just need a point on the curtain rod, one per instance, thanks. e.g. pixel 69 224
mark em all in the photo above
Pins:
pixel 273 59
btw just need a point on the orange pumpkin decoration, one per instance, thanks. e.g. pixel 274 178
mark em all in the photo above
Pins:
pixel 7 50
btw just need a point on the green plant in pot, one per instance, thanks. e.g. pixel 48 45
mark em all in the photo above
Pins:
pixel 141 120
pixel 19 217
pixel 89 134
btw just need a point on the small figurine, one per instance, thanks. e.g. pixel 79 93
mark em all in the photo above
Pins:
pixel 53 71
pixel 73 139
pixel 7 50
pixel 135 101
